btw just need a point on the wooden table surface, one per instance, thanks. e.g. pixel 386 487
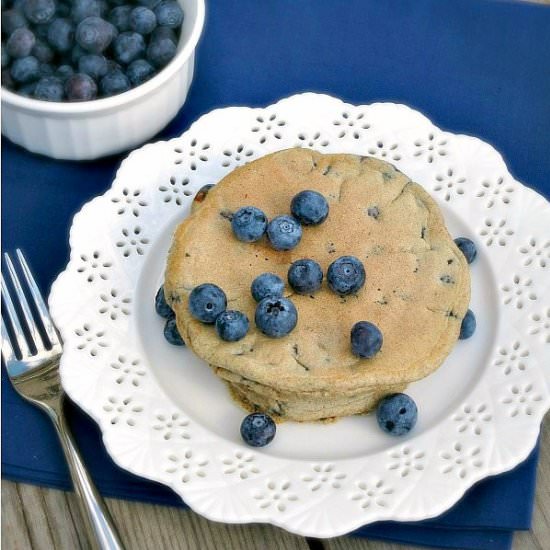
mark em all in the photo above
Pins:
pixel 46 519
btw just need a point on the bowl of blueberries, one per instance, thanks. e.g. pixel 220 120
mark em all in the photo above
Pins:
pixel 82 79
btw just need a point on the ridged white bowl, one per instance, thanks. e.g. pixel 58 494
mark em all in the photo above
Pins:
pixel 93 129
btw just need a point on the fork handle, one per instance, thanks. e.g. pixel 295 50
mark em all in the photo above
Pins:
pixel 101 530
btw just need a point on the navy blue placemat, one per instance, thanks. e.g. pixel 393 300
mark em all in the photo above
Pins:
pixel 472 66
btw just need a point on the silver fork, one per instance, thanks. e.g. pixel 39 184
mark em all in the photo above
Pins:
pixel 34 374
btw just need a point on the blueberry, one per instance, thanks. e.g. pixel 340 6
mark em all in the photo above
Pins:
pixel 267 284
pixel 248 224
pixel 39 11
pixel 64 72
pixel 114 82
pixel 161 51
pixel 164 32
pixel 346 275
pixel 366 339
pixel 276 316
pixel 284 232
pixel 161 305
pixel 80 87
pixel 128 46
pixel 5 57
pixel 309 207
pixel 139 71
pixel 85 8
pixel 468 326
pixel 93 65
pixel 72 57
pixel 27 90
pixel 467 247
pixel 45 69
pixel 94 34
pixel 120 17
pixel 305 276
pixel 143 20
pixel 397 414
pixel 7 80
pixel 258 429
pixel 171 333
pixel 12 20
pixel 169 14
pixel 20 43
pixel 61 35
pixel 49 88
pixel 206 302
pixel 232 325
pixel 148 3
pixel 25 69
pixel 42 51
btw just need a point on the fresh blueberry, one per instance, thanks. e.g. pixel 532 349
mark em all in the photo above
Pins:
pixel 7 80
pixel 114 82
pixel 284 232
pixel 169 14
pixel 128 46
pixel 276 316
pixel 143 20
pixel 161 51
pixel 39 11
pixel 120 17
pixel 64 72
pixel 80 87
pixel 151 4
pixel 305 276
pixel 72 57
pixel 61 34
pixel 93 65
pixel 49 88
pixel 267 284
pixel 63 10
pixel 27 90
pixel 171 333
pixel 346 275
pixel 467 247
pixel 164 32
pixel 232 325
pixel 206 302
pixel 25 69
pixel 397 414
pixel 248 224
pixel 5 57
pixel 45 69
pixel 20 43
pixel 258 429
pixel 468 326
pixel 309 207
pixel 94 34
pixel 12 20
pixel 161 305
pixel 43 52
pixel 139 71
pixel 366 339
pixel 85 8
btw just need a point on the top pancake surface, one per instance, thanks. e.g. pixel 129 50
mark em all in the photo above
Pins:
pixel 417 288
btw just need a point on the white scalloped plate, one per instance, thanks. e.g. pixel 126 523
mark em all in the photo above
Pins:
pixel 165 416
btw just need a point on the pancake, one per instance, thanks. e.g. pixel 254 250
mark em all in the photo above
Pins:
pixel 417 288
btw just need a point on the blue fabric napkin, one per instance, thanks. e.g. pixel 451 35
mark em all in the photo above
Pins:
pixel 473 66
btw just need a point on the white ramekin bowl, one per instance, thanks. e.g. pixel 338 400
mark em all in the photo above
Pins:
pixel 92 129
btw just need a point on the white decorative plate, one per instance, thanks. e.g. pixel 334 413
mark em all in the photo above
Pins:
pixel 164 414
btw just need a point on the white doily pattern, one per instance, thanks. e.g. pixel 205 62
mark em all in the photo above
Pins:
pixel 104 369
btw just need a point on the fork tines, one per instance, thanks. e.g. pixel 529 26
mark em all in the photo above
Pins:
pixel 32 333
